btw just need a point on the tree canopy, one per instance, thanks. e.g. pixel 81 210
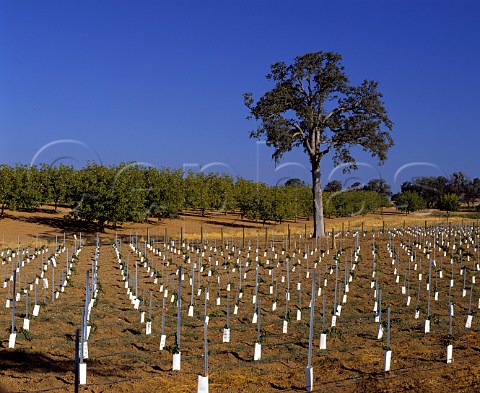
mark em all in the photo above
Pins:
pixel 409 201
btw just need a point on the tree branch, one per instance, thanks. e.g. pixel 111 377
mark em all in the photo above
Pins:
pixel 326 151
pixel 310 150
pixel 334 111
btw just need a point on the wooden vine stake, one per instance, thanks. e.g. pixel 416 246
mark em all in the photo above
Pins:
pixel 192 281
pixel 148 325
pixel 82 367
pixel 226 330
pixel 258 346
pixel 176 348
pixel 427 321
pixel 379 315
pixel 13 335
pixel 26 321
pixel 309 369
pixel 388 351
pixel 163 337
pixel 36 307
pixel 77 360
pixel 323 335
pixel 255 312
pixel 468 323
pixel 203 379
pixel 450 337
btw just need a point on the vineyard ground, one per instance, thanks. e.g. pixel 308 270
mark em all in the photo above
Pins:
pixel 123 358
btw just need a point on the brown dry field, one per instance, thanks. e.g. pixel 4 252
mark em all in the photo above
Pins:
pixel 122 358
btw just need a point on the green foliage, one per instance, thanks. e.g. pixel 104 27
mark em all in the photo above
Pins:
pixel 132 192
pixel 333 186
pixel 26 334
pixel 165 196
pixel 261 204
pixel 352 203
pixel 432 189
pixel 6 187
pixel 447 340
pixel 471 191
pixel 313 106
pixel 257 201
pixel 60 183
pixel 196 194
pixel 380 186
pixel 24 188
pixel 95 194
pixel 434 318
pixel 295 182
pixel 449 203
pixel 335 332
pixel 220 192
pixel 409 201
pixel 244 195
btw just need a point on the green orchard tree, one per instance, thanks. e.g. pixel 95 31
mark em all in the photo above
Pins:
pixel 297 200
pixel 197 192
pixel 60 180
pixel 127 197
pixel 244 195
pixel 165 196
pixel 261 207
pixel 449 203
pixel 95 194
pixel 409 201
pixel 27 185
pixel 313 106
pixel 6 187
pixel 220 191
pixel 280 205
pixel 44 183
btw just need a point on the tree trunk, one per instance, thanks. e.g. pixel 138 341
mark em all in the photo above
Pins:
pixel 318 225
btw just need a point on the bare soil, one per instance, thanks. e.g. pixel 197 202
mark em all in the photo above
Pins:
pixel 122 358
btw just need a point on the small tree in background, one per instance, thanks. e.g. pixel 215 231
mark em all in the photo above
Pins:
pixel 449 203
pixel 333 186
pixel 60 181
pixel 244 193
pixel 408 201
pixel 472 191
pixel 295 182
pixel 380 186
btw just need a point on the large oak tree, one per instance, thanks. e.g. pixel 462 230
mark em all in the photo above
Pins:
pixel 313 105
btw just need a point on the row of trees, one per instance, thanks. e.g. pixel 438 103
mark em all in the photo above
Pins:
pixel 130 192
pixel 378 185
pixel 431 189
pixel 438 192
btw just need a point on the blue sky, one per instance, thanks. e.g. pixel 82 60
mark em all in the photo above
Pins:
pixel 161 82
